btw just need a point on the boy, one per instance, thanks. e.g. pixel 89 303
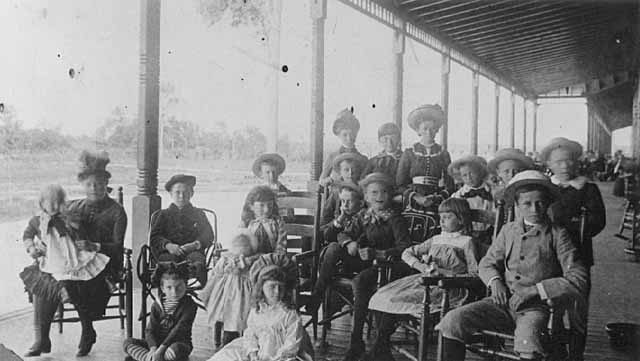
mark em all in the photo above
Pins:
pixel 168 334
pixel 269 167
pixel 530 262
pixel 386 161
pixel 181 232
pixel 345 127
pixel 348 166
pixel 506 163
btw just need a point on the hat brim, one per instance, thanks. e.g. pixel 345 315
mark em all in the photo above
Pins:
pixel 510 191
pixel 377 178
pixel 352 157
pixel 270 158
pixel 420 115
pixel 186 179
pixel 525 161
pixel 97 172
pixel 454 167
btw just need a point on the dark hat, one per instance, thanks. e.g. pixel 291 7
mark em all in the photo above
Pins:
pixel 510 154
pixel 529 177
pixel 388 129
pixel 271 158
pixel 93 164
pixel 480 162
pixel 345 120
pixel 377 177
pixel 432 112
pixel 180 178
pixel 556 143
pixel 354 157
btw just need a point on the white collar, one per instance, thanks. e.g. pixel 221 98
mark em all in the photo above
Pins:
pixel 577 182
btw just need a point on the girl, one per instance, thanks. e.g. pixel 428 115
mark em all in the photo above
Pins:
pixel 260 216
pixel 228 291
pixel 168 334
pixel 58 244
pixel 268 167
pixel 450 253
pixel 274 328
pixel 387 160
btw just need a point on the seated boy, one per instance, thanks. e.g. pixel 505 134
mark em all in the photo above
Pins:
pixel 268 167
pixel 530 262
pixel 387 160
pixel 181 232
pixel 349 167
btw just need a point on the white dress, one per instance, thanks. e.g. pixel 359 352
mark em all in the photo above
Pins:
pixel 275 333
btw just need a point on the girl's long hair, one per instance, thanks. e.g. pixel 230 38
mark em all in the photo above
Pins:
pixel 258 194
pixel 459 207
pixel 271 273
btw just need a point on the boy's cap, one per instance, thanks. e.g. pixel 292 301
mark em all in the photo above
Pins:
pixel 273 158
pixel 455 166
pixel 377 177
pixel 350 186
pixel 346 120
pixel 388 129
pixel 424 113
pixel 510 154
pixel 528 177
pixel 180 178
pixel 557 143
pixel 353 157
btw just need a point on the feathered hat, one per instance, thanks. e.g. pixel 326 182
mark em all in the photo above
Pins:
pixel 93 164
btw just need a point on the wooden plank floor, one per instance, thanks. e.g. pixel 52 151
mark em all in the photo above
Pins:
pixel 614 297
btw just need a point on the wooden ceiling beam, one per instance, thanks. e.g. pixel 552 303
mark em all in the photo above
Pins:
pixel 492 4
pixel 499 14
pixel 535 45
pixel 534 60
pixel 537 53
pixel 432 4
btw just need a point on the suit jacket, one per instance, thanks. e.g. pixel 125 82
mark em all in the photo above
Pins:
pixel 180 226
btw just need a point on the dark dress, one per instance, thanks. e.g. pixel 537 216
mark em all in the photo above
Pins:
pixel 384 162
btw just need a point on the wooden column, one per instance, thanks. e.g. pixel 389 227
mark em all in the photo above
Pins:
pixel 398 72
pixel 534 137
pixel 512 134
pixel 474 111
pixel 274 72
pixel 496 120
pixel 318 17
pixel 444 97
pixel 635 124
pixel 524 125
pixel 147 200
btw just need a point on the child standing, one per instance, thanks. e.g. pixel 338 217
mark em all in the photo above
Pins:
pixel 227 294
pixel 274 328
pixel 506 163
pixel 450 253
pixel 168 334
pixel 268 167
pixel 66 262
pixel 387 160
pixel 260 216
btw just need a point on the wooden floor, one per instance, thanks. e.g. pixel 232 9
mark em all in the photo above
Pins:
pixel 615 297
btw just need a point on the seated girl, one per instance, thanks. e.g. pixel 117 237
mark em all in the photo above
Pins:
pixel 182 232
pixel 228 291
pixel 260 216
pixel 274 328
pixel 452 252
pixel 168 333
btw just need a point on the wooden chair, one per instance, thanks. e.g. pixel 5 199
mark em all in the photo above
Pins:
pixel 630 219
pixel 303 244
pixel 123 291
pixel 146 265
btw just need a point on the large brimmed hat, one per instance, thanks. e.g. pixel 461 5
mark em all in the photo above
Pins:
pixel 346 120
pixel 377 177
pixel 271 158
pixel 423 113
pixel 476 160
pixel 510 154
pixel 180 178
pixel 350 156
pixel 561 143
pixel 388 129
pixel 93 164
pixel 528 177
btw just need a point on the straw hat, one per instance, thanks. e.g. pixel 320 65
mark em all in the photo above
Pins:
pixel 432 112
pixel 271 158
pixel 349 156
pixel 529 177
pixel 561 143
pixel 509 154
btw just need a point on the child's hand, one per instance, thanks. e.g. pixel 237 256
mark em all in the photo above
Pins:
pixel 352 248
pixel 158 355
pixel 499 294
pixel 33 252
pixel 174 249
pixel 367 253
pixel 422 267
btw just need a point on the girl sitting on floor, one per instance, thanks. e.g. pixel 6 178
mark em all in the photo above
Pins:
pixel 227 294
pixel 260 216
pixel 450 253
pixel 274 328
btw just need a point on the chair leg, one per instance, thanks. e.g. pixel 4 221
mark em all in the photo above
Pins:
pixel 369 324
pixel 60 317
pixel 121 306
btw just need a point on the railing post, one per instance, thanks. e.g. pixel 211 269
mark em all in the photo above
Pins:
pixel 475 83
pixel 444 97
pixel 318 17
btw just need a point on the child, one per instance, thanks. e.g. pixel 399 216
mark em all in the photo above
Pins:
pixel 532 261
pixel 168 333
pixel 473 172
pixel 228 291
pixel 182 231
pixel 506 163
pixel 422 171
pixel 269 167
pixel 260 216
pixel 349 167
pixel 345 127
pixel 274 328
pixel 58 243
pixel 452 252
pixel 387 161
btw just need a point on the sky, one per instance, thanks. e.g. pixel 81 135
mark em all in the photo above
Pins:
pixel 219 72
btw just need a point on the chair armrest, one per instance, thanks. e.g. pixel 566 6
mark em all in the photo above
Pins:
pixel 303 256
pixel 450 282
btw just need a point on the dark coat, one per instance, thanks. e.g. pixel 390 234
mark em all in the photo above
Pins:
pixel 383 163
pixel 180 226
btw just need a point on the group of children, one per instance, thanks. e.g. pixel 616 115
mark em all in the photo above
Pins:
pixel 534 259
